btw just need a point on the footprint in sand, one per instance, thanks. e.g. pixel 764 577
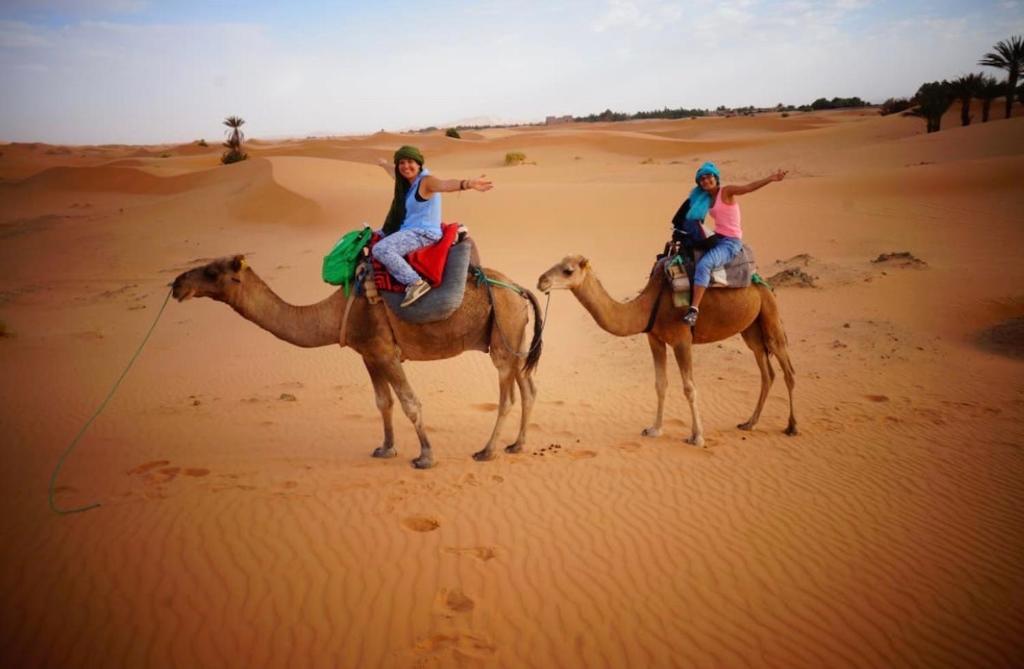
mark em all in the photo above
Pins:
pixel 486 406
pixel 420 524
pixel 629 447
pixel 582 455
pixel 877 398
pixel 454 601
pixel 146 466
pixel 463 646
pixel 196 471
pixel 482 553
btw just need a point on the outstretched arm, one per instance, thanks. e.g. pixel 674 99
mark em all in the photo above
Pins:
pixel 387 167
pixel 729 192
pixel 432 184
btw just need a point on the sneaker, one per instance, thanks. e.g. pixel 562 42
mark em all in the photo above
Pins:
pixel 691 316
pixel 415 292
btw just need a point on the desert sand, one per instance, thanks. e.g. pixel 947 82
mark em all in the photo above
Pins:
pixel 244 523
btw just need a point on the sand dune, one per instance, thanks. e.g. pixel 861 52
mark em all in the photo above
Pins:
pixel 244 523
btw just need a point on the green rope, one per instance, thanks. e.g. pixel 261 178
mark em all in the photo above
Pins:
pixel 60 463
pixel 757 279
pixel 482 278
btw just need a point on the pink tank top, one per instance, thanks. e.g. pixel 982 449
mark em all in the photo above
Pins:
pixel 727 218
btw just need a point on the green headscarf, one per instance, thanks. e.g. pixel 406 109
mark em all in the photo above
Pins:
pixel 396 215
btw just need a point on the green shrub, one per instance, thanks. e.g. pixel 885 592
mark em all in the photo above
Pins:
pixel 785 114
pixel 515 158
pixel 453 133
pixel 895 105
pixel 232 156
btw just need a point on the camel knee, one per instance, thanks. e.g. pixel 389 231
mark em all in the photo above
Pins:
pixel 384 403
pixel 412 408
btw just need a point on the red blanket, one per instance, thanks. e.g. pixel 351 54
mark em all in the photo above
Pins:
pixel 429 261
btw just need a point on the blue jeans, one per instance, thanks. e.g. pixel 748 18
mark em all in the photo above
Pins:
pixel 391 252
pixel 717 256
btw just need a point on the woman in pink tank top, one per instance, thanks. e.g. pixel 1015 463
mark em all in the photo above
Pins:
pixel 720 202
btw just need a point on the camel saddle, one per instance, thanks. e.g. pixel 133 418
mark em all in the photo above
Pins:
pixel 440 302
pixel 737 273
pixel 429 261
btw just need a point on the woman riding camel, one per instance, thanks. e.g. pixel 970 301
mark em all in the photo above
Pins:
pixel 414 220
pixel 711 197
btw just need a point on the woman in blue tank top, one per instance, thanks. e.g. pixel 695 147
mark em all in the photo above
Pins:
pixel 414 220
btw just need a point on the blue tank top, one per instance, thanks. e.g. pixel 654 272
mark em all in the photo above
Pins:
pixel 422 214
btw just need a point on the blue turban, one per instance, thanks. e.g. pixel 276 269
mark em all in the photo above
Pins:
pixel 700 199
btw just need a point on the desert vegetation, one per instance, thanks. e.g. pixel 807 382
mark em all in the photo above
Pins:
pixel 513 158
pixel 234 141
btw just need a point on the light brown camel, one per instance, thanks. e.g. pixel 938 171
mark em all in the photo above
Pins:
pixel 383 341
pixel 750 311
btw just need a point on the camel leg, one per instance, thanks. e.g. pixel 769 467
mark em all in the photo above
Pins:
pixel 660 383
pixel 753 339
pixel 413 410
pixel 779 349
pixel 506 383
pixel 775 342
pixel 685 360
pixel 382 394
pixel 529 392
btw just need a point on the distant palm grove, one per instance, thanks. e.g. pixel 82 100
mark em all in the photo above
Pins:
pixel 933 99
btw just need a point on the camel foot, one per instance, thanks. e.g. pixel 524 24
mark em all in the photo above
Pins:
pixel 696 440
pixel 514 448
pixel 651 432
pixel 384 452
pixel 748 426
pixel 423 462
pixel 484 455
pixel 791 429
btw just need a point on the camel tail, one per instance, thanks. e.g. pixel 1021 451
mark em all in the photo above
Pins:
pixel 533 357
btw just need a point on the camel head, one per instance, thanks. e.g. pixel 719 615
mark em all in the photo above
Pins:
pixel 565 275
pixel 218 280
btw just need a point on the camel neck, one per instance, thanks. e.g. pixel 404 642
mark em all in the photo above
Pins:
pixel 618 318
pixel 308 326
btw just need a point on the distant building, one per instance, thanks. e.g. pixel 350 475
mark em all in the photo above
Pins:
pixel 555 120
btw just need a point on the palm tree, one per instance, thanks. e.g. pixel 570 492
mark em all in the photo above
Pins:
pixel 933 99
pixel 964 89
pixel 989 88
pixel 1008 55
pixel 234 151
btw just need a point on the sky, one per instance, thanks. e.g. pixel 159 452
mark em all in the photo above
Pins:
pixel 146 72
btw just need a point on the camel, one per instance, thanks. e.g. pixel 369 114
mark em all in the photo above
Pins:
pixel 384 341
pixel 751 312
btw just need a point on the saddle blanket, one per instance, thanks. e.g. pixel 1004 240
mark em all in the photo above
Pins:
pixel 737 273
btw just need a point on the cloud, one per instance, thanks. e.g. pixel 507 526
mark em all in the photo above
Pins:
pixel 77 7
pixel 636 14
pixel 18 35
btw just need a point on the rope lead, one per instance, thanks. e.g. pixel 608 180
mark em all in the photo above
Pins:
pixel 74 442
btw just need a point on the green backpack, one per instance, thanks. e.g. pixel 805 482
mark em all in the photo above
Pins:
pixel 340 264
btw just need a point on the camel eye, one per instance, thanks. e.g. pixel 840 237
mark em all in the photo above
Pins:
pixel 210 273
pixel 567 271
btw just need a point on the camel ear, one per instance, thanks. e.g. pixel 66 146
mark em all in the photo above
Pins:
pixel 238 263
pixel 584 263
